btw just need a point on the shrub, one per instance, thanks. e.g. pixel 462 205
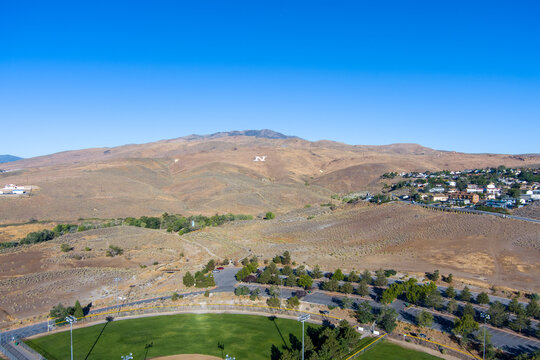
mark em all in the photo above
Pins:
pixel 65 247
pixel 113 251
pixel 269 216
pixel 293 302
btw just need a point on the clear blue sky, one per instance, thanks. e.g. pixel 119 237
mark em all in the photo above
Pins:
pixel 452 75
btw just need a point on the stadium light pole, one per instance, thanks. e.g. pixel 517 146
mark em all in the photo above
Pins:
pixel 485 317
pixel 71 320
pixel 303 318
pixel 127 357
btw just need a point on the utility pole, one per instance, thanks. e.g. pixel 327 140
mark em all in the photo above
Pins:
pixel 303 318
pixel 71 320
pixel 485 317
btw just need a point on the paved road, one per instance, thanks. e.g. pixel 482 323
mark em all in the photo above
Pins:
pixel 225 282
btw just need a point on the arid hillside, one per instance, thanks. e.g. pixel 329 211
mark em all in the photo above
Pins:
pixel 481 250
pixel 215 173
pixel 409 238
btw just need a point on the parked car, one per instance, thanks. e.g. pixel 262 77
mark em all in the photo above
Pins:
pixel 215 271
pixel 324 312
pixel 220 268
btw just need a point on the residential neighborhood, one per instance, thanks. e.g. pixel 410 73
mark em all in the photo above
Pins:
pixel 491 188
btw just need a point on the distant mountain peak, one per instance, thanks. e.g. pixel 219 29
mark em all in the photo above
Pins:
pixel 264 133
pixel 8 158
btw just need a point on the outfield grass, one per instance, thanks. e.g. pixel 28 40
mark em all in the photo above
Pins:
pixel 388 351
pixel 243 336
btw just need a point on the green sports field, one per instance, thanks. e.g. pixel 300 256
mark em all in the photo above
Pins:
pixel 243 336
pixel 388 351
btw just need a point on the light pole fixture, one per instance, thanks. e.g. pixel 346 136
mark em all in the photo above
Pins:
pixel 71 320
pixel 227 357
pixel 485 317
pixel 303 318
pixel 127 357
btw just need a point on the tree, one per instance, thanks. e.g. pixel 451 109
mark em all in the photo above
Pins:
pixel 353 277
pixel 469 310
pixel 387 319
pixel 338 275
pixel 424 319
pixel 346 302
pixel 254 294
pixel 286 258
pixel 464 326
pixel 380 278
pixel 465 294
pixel 482 298
pixel 293 302
pixel 498 316
pixel 364 314
pixel 362 289
pixel 434 299
pixel 305 281
pixel 452 306
pixel 450 292
pixel 290 281
pixel 273 302
pixel 366 277
pixel 533 309
pixel 331 285
pixel 188 280
pixel 211 265
pixel 449 278
pixel 520 321
pixel 347 288
pixel 269 215
pixel 316 273
pixel 514 306
pixel 287 271
pixel 273 291
pixel 241 290
pixel 78 310
pixel 277 259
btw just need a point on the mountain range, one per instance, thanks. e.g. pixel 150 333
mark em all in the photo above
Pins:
pixel 248 171
pixel 8 158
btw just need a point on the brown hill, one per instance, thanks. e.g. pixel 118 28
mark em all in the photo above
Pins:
pixel 215 173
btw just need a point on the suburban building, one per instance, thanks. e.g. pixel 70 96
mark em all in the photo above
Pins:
pixel 440 197
pixel 471 188
pixel 472 197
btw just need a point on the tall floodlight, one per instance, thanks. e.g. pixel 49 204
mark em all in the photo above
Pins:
pixel 485 317
pixel 127 357
pixel 71 320
pixel 227 357
pixel 303 318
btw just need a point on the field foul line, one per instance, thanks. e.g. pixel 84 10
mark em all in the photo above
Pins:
pixel 362 349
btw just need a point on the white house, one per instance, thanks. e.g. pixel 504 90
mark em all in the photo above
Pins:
pixel 471 188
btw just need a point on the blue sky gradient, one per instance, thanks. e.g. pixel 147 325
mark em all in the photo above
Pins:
pixel 457 75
